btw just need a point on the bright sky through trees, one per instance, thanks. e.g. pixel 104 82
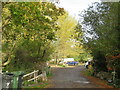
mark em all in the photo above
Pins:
pixel 76 6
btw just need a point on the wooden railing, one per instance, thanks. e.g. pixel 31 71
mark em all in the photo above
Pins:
pixel 36 76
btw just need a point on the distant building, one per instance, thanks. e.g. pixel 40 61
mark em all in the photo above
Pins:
pixel 65 60
pixel 68 59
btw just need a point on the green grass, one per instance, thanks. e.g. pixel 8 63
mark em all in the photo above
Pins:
pixel 50 74
pixel 39 85
pixel 62 65
pixel 87 72
pixel 26 83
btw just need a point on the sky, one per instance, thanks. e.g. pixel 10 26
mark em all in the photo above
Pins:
pixel 74 7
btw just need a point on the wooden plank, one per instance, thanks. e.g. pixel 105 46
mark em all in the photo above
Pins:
pixel 30 73
pixel 35 77
pixel 35 73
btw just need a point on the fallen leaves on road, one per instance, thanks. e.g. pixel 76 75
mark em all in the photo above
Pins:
pixel 97 81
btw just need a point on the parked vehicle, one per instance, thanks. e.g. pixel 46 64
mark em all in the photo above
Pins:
pixel 72 63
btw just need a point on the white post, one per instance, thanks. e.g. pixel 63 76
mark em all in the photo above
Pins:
pixel 34 76
pixel 44 78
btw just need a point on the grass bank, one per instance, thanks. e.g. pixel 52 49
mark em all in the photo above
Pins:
pixel 102 83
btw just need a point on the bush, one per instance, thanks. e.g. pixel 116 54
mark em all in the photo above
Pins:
pixel 26 83
pixel 116 83
pixel 90 70
pixel 87 72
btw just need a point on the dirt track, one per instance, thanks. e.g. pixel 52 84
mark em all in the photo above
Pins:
pixel 70 78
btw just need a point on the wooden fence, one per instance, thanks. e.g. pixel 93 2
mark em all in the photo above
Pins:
pixel 36 76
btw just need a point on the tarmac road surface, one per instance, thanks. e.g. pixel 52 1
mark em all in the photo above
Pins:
pixel 70 77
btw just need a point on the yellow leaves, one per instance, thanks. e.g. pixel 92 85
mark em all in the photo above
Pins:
pixel 3 40
pixel 50 9
pixel 25 16
pixel 48 17
pixel 5 14
pixel 66 42
pixel 6 11
pixel 32 38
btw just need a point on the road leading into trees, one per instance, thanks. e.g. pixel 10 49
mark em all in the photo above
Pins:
pixel 70 77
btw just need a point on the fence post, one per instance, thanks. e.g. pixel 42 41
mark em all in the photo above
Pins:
pixel 44 78
pixel 34 76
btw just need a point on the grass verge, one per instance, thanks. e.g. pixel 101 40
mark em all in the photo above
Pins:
pixel 97 81
pixel 39 85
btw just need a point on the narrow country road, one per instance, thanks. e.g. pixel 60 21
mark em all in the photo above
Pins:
pixel 70 77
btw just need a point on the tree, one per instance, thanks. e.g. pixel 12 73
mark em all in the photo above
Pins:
pixel 28 30
pixel 102 24
pixel 65 45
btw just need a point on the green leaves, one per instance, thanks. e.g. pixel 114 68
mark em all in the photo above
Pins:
pixel 65 37
pixel 102 23
pixel 31 27
pixel 102 33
